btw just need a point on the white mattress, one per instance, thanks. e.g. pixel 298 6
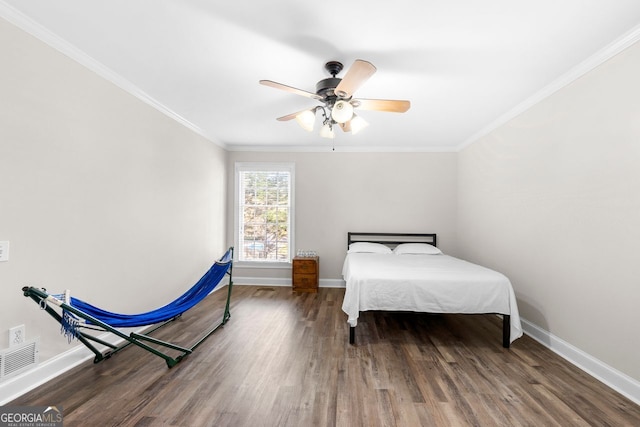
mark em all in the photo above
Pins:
pixel 425 283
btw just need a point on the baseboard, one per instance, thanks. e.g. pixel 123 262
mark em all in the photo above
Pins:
pixel 15 387
pixel 257 281
pixel 332 283
pixel 51 368
pixel 613 378
pixel 279 281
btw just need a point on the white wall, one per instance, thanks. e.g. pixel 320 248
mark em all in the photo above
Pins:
pixel 373 192
pixel 552 199
pixel 99 192
pixel 104 195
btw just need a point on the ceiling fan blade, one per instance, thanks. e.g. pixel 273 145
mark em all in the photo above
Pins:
pixel 293 115
pixel 346 126
pixel 359 73
pixel 289 89
pixel 390 105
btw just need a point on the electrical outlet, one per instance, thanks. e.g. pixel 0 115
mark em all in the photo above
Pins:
pixel 16 335
pixel 4 250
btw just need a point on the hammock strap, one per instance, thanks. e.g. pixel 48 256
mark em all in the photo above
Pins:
pixel 70 324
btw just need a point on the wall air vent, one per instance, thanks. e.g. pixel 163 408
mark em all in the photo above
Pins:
pixel 18 359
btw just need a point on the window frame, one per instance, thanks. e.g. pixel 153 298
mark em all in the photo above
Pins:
pixel 263 167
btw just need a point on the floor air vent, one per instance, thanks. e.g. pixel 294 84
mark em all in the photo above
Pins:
pixel 17 359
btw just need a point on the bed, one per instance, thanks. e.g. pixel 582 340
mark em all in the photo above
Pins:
pixel 407 272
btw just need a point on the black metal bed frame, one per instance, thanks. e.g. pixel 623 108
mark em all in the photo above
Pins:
pixel 394 239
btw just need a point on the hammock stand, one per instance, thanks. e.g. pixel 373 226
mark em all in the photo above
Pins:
pixel 159 317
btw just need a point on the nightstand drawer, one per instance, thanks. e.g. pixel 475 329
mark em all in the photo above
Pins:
pixel 306 266
pixel 304 280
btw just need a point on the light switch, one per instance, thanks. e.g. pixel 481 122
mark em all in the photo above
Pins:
pixel 4 251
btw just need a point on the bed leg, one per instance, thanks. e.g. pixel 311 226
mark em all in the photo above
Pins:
pixel 506 330
pixel 352 334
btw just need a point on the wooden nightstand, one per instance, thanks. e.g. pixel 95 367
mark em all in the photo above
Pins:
pixel 305 274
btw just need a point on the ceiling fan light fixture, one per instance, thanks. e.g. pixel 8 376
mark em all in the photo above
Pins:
pixel 338 104
pixel 307 119
pixel 342 111
pixel 327 131
pixel 357 124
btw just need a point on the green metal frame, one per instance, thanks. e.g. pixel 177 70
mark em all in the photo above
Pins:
pixel 40 296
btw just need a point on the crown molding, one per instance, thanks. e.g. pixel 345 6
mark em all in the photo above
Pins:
pixel 35 29
pixel 338 149
pixel 41 33
pixel 626 40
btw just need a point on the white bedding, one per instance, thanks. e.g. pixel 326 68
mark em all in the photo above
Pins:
pixel 425 283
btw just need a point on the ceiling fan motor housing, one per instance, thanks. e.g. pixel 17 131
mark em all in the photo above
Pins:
pixel 325 88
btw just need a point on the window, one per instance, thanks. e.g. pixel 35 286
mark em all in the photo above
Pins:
pixel 264 211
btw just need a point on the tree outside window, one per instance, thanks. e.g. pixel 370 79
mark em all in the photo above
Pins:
pixel 264 212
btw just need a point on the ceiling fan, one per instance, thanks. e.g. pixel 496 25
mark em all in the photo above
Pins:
pixel 336 95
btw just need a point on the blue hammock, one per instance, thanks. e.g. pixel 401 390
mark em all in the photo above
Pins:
pixel 97 319
pixel 189 299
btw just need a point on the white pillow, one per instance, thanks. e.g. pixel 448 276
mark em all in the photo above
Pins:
pixel 417 248
pixel 369 247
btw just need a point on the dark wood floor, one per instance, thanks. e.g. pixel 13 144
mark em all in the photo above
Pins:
pixel 284 360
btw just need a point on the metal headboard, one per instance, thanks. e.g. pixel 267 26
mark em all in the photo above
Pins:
pixel 391 239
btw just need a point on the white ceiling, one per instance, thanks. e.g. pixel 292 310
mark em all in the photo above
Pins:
pixel 465 65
